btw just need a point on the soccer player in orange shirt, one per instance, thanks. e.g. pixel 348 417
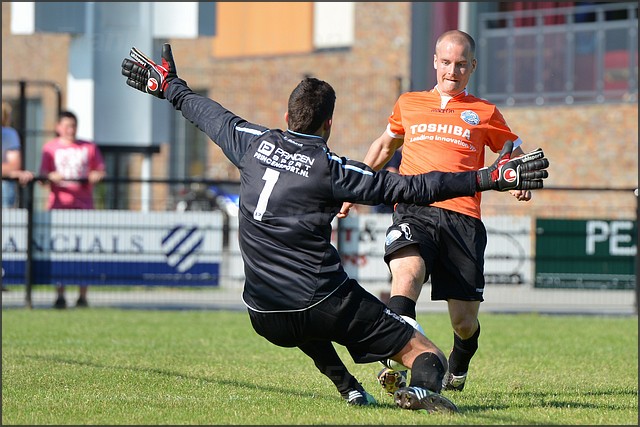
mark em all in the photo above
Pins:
pixel 444 129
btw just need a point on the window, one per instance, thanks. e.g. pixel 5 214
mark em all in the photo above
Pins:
pixel 560 55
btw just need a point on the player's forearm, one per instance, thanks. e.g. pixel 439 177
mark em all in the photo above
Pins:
pixel 429 187
pixel 379 153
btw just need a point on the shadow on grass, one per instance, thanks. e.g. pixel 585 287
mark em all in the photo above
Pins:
pixel 551 399
pixel 285 391
pixel 515 399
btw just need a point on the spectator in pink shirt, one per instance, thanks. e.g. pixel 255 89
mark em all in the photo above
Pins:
pixel 72 167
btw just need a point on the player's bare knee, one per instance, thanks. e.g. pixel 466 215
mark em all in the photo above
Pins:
pixel 465 328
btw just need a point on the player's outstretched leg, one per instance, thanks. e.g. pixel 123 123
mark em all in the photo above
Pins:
pixel 328 362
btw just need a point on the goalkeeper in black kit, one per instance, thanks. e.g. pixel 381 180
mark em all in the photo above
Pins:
pixel 292 186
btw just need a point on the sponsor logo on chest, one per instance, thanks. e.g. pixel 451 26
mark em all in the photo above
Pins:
pixel 446 132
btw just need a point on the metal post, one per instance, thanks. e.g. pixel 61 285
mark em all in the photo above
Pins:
pixel 22 127
pixel 28 267
pixel 637 254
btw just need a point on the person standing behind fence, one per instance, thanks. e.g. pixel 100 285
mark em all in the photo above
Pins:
pixel 11 159
pixel 72 167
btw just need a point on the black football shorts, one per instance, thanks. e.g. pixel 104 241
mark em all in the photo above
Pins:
pixel 351 316
pixel 451 244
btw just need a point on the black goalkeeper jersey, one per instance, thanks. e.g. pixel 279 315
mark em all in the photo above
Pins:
pixel 292 187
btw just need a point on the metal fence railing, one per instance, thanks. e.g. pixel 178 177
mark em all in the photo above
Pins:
pixel 185 252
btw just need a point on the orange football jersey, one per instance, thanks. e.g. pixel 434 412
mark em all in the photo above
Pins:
pixel 448 134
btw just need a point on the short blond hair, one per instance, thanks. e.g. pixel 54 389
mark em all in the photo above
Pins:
pixel 458 37
pixel 6 113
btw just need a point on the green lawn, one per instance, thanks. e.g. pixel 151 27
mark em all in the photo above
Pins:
pixel 113 366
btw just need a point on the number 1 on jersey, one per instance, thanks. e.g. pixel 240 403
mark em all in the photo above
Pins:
pixel 270 177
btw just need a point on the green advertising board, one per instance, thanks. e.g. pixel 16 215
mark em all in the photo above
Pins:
pixel 585 254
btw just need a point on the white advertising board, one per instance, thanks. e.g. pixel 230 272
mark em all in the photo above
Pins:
pixel 114 247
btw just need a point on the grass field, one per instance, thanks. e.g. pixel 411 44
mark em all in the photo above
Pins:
pixel 113 366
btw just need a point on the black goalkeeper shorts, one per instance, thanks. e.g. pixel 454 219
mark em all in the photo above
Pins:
pixel 351 317
pixel 451 244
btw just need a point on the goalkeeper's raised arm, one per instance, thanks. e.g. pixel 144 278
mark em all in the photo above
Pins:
pixel 147 76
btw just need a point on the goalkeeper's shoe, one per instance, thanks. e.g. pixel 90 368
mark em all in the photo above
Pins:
pixel 454 382
pixel 392 380
pixel 421 399
pixel 358 396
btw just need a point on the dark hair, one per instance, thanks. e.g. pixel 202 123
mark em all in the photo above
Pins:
pixel 67 115
pixel 310 104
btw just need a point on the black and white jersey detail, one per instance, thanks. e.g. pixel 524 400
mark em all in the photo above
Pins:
pixel 292 187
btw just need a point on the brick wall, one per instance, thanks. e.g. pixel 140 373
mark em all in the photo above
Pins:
pixel 592 145
pixel 588 146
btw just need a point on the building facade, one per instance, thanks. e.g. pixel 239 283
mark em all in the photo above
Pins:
pixel 565 78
